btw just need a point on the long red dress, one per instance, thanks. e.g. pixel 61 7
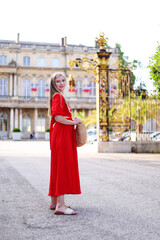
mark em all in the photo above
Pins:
pixel 64 174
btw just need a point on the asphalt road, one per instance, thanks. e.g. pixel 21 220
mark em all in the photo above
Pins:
pixel 120 197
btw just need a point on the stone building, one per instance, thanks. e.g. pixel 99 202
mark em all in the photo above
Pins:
pixel 25 70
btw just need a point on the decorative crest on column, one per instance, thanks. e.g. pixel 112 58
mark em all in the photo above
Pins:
pixel 101 40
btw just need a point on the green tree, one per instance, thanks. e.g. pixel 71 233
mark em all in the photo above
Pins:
pixel 91 120
pixel 123 63
pixel 80 115
pixel 154 66
pixel 141 90
pixel 140 110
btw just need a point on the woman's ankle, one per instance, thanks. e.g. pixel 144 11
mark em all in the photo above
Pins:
pixel 53 201
pixel 59 205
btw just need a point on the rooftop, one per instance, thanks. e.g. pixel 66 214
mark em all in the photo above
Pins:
pixel 43 46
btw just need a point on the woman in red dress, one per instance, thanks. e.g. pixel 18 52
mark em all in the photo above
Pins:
pixel 64 174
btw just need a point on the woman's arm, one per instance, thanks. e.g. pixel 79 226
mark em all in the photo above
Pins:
pixel 65 121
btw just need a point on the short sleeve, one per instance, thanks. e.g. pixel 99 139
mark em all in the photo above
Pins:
pixel 57 105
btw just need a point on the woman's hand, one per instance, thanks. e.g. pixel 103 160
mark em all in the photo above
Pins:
pixel 64 120
pixel 76 121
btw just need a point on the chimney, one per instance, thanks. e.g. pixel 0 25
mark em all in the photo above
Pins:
pixel 17 41
pixel 65 41
pixel 62 42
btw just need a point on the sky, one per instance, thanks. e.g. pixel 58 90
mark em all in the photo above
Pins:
pixel 135 25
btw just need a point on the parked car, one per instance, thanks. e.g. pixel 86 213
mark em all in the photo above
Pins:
pixel 91 131
pixel 91 139
pixel 124 137
pixel 114 136
pixel 91 135
pixel 154 135
pixel 156 138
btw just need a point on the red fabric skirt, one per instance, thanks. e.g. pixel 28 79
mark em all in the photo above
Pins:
pixel 64 174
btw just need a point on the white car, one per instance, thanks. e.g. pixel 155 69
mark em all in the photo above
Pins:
pixel 156 138
pixel 91 135
pixel 91 139
pixel 91 131
pixel 154 135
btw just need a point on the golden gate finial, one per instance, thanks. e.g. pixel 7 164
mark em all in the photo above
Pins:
pixel 101 40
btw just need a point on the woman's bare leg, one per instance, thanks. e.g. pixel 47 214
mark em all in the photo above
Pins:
pixel 60 204
pixel 53 202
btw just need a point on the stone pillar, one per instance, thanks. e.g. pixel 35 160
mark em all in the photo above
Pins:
pixel 15 84
pixel 11 122
pixel 16 118
pixel 20 119
pixel 10 84
pixel 35 119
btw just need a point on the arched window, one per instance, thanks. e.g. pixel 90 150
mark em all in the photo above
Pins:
pixel 41 122
pixel 26 123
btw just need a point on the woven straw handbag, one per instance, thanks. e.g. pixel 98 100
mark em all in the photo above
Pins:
pixel 81 134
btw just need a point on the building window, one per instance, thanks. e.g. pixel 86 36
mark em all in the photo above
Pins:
pixel 26 123
pixel 41 62
pixel 3 87
pixel 41 88
pixel 92 85
pixel 26 88
pixel 79 88
pixel 26 61
pixel 55 63
pixel 3 60
pixel 41 123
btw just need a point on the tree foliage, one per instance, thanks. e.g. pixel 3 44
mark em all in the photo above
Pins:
pixel 154 66
pixel 91 120
pixel 80 115
pixel 141 110
pixel 141 90
pixel 138 110
pixel 123 63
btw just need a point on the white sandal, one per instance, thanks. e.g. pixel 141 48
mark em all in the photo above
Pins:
pixel 68 211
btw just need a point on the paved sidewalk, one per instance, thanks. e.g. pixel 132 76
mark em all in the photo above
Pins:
pixel 120 197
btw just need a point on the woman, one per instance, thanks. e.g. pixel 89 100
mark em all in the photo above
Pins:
pixel 64 175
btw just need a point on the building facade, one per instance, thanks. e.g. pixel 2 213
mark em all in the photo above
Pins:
pixel 25 71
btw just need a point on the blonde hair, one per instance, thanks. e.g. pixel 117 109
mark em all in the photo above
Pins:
pixel 53 90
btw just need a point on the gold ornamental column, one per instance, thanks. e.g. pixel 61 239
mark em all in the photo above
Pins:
pixel 102 59
pixel 98 66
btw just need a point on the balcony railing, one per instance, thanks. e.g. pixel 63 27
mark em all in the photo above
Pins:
pixel 23 98
pixel 80 99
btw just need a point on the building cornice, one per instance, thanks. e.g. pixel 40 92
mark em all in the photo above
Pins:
pixel 22 68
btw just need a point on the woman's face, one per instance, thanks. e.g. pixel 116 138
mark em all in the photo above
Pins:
pixel 60 83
